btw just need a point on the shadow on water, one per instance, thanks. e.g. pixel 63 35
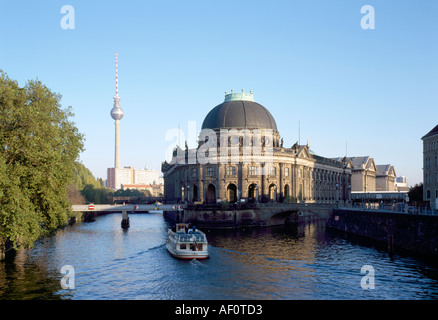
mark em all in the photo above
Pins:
pixel 24 280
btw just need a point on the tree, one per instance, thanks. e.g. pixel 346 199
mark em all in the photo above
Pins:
pixel 83 177
pixel 98 195
pixel 416 193
pixel 39 145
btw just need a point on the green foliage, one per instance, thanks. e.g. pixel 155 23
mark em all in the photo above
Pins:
pixel 84 177
pixel 97 195
pixel 128 193
pixel 92 189
pixel 416 193
pixel 39 145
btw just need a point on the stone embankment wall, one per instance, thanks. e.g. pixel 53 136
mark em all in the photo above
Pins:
pixel 261 216
pixel 417 233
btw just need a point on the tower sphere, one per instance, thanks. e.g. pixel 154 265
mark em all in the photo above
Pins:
pixel 117 112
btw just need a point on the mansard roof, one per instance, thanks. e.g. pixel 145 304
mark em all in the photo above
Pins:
pixel 432 132
pixel 385 170
pixel 362 163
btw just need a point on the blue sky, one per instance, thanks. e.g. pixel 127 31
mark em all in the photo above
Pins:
pixel 308 62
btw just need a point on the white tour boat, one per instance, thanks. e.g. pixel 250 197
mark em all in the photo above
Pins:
pixel 187 243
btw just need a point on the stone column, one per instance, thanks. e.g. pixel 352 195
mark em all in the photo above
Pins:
pixel 201 184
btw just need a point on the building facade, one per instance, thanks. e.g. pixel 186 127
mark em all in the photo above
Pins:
pixel 131 176
pixel 369 177
pixel 385 178
pixel 240 156
pixel 364 172
pixel 401 183
pixel 430 167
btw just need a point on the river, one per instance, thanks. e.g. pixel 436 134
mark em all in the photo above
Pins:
pixel 294 263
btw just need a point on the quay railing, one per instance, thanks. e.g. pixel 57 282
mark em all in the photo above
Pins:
pixel 396 208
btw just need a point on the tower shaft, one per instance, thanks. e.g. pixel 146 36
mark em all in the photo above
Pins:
pixel 117 145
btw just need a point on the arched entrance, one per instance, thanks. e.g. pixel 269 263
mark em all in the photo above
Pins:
pixel 211 194
pixel 273 192
pixel 194 193
pixel 231 193
pixel 286 193
pixel 252 192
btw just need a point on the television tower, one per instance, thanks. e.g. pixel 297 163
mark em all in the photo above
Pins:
pixel 117 114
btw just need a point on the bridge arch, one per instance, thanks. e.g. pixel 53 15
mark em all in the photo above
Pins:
pixel 280 218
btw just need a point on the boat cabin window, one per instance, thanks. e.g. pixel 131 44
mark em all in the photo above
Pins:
pixel 183 246
pixel 182 227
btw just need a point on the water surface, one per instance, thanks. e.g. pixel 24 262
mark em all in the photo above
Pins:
pixel 305 262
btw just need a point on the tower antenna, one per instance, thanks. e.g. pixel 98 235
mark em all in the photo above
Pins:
pixel 117 78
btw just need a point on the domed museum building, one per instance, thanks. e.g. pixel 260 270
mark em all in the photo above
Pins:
pixel 241 157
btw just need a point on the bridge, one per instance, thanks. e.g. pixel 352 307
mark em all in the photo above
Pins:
pixel 125 207
pixel 217 215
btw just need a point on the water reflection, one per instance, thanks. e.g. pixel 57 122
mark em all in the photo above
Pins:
pixel 24 279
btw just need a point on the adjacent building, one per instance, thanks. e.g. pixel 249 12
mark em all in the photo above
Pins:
pixel 369 177
pixel 241 156
pixel 385 178
pixel 430 167
pixel 401 183
pixel 372 183
pixel 364 171
pixel 117 177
